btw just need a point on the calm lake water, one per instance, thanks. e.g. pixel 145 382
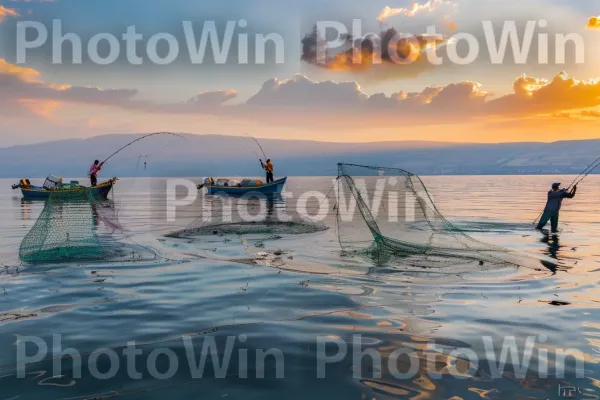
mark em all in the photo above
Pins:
pixel 333 326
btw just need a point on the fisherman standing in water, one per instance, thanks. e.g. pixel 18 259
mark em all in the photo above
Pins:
pixel 555 198
pixel 269 168
pixel 94 169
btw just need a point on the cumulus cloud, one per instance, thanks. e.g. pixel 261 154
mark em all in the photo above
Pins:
pixel 388 55
pixel 413 10
pixel 7 12
pixel 346 103
pixel 23 89
pixel 590 113
pixel 563 114
pixel 538 96
pixel 20 85
pixel 304 102
pixel 301 92
pixel 584 114
pixel 21 73
pixel 593 22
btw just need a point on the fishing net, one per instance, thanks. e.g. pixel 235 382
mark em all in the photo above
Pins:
pixel 248 215
pixel 389 215
pixel 73 227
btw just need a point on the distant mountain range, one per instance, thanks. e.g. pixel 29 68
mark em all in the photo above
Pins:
pixel 219 155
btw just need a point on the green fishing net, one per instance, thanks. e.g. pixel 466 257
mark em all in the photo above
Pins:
pixel 389 215
pixel 73 227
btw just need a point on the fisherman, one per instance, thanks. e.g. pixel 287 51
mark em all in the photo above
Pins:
pixel 269 168
pixel 555 198
pixel 94 169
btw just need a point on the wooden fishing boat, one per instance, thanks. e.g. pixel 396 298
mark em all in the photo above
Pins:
pixel 54 186
pixel 243 187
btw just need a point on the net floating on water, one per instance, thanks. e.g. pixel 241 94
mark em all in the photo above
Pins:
pixel 249 228
pixel 221 219
pixel 67 230
pixel 389 215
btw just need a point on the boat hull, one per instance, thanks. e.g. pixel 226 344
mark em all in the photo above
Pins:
pixel 273 188
pixel 99 192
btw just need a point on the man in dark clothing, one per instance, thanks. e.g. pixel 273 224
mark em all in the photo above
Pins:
pixel 555 198
pixel 268 167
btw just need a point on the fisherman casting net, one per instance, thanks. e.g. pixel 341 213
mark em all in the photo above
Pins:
pixel 251 214
pixel 73 227
pixel 388 214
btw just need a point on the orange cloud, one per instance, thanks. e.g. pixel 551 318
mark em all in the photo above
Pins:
pixel 563 114
pixel 24 74
pixel 448 24
pixel 25 92
pixel 7 12
pixel 346 105
pixel 42 108
pixel 414 9
pixel 593 22
pixel 590 113
pixel 538 96
pixel 303 102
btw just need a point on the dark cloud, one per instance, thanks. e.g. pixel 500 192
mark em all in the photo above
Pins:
pixel 390 54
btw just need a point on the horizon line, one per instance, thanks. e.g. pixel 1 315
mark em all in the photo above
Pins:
pixel 457 143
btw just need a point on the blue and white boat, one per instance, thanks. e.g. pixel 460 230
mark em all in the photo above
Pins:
pixel 234 187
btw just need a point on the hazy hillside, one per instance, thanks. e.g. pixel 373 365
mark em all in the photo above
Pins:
pixel 216 155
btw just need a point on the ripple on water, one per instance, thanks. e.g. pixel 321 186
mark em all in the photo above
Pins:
pixel 285 291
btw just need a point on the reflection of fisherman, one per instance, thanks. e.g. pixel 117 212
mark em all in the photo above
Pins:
pixel 270 208
pixel 555 198
pixel 553 244
pixel 95 215
pixel 25 209
pixel 269 168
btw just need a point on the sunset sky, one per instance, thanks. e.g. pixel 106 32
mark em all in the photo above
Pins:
pixel 535 100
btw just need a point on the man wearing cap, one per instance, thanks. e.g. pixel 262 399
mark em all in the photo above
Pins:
pixel 555 198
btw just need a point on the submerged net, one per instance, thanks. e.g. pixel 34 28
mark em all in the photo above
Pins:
pixel 73 227
pixel 248 215
pixel 389 215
